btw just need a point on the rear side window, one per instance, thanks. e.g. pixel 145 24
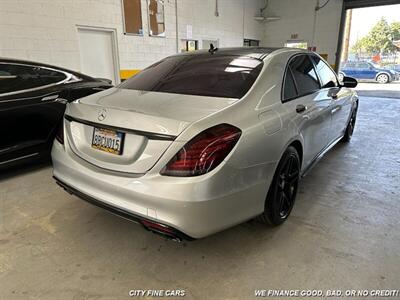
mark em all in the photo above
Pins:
pixel 304 75
pixel 14 78
pixel 362 65
pixel 227 76
pixel 326 75
pixel 349 65
pixel 289 90
pixel 48 76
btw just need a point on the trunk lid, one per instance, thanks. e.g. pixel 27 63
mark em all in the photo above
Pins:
pixel 148 121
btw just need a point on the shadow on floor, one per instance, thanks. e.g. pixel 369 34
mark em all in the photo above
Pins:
pixel 23 168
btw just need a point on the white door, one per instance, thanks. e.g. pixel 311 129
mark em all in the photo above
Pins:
pixel 97 52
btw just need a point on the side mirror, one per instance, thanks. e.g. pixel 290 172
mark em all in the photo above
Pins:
pixel 349 82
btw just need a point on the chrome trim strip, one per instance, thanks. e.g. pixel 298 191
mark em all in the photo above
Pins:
pixel 8 76
pixel 26 98
pixel 18 158
pixel 69 79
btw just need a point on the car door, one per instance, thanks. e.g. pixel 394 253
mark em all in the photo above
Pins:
pixel 349 69
pixel 357 71
pixel 365 71
pixel 340 98
pixel 29 109
pixel 310 106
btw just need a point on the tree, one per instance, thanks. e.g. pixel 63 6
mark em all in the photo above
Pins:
pixel 359 46
pixel 395 28
pixel 380 38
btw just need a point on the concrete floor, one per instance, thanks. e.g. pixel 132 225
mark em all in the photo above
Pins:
pixel 343 234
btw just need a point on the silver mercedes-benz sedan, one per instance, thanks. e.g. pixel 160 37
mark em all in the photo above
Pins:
pixel 201 141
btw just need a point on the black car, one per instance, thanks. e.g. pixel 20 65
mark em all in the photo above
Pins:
pixel 32 104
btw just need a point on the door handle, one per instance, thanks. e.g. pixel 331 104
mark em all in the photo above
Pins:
pixel 61 100
pixel 336 109
pixel 49 98
pixel 301 108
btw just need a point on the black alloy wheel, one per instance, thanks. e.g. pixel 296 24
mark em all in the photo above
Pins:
pixel 283 190
pixel 350 127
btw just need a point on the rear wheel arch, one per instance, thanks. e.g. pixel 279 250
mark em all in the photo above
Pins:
pixel 355 105
pixel 299 148
pixel 382 72
pixel 295 142
pixel 282 190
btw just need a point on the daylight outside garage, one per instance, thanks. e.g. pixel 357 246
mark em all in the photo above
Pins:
pixel 371 51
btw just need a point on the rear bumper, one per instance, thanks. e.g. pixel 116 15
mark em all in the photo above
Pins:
pixel 167 231
pixel 192 207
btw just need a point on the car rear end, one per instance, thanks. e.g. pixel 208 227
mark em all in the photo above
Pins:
pixel 144 178
pixel 138 153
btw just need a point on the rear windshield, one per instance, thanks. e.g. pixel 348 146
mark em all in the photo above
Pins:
pixel 203 75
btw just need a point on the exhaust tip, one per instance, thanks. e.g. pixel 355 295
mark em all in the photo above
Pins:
pixel 161 229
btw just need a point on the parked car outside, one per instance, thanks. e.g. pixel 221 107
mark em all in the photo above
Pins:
pixel 32 103
pixel 395 68
pixel 366 71
pixel 201 141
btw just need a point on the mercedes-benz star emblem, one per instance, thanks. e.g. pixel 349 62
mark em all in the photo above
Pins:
pixel 102 114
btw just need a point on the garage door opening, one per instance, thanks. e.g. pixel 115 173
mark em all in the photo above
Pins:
pixel 370 49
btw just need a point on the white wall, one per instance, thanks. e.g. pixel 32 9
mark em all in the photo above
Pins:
pixel 297 17
pixel 46 30
pixel 235 21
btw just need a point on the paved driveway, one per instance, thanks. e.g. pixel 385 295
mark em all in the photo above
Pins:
pixel 390 90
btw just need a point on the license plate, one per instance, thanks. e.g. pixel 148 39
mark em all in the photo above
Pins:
pixel 106 140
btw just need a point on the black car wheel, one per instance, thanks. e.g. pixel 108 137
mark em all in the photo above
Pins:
pixel 350 127
pixel 283 190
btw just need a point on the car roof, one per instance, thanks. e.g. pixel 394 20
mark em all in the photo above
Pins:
pixel 254 52
pixel 33 63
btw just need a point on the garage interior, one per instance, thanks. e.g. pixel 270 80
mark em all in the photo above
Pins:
pixel 342 234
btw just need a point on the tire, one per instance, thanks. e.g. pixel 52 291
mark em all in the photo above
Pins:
pixel 382 78
pixel 350 127
pixel 283 189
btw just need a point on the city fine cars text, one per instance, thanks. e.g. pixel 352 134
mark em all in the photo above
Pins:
pixel 157 293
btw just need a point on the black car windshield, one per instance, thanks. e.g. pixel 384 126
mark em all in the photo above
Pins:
pixel 227 76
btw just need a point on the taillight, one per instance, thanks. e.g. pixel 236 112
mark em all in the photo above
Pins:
pixel 60 134
pixel 204 152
